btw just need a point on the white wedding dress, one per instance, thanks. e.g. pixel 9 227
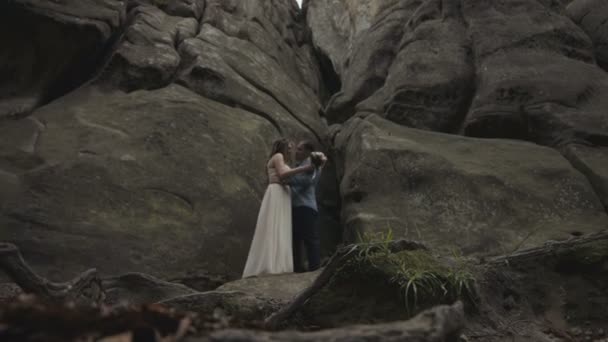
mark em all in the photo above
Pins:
pixel 271 248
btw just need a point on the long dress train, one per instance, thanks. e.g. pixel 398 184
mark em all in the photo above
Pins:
pixel 271 248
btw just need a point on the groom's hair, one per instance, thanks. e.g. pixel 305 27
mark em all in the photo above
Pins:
pixel 308 145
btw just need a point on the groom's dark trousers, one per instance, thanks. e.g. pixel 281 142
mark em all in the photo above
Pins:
pixel 305 233
pixel 304 213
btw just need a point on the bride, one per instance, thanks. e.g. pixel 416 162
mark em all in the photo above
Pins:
pixel 270 251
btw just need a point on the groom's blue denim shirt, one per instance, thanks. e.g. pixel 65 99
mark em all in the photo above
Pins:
pixel 303 187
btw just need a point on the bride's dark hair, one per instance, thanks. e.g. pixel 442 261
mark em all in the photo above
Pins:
pixel 280 146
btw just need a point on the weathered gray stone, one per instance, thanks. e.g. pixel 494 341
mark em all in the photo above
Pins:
pixel 429 84
pixel 243 306
pixel 162 182
pixel 372 54
pixel 51 47
pixel 591 16
pixel 147 58
pixel 235 71
pixel 593 163
pixel 479 196
pixel 139 289
pixel 184 8
pixel 281 287
pixel 442 323
pixel 512 69
pixel 536 77
pixel 335 24
pixel 146 181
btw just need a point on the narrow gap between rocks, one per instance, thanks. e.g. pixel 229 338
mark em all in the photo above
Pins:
pixel 329 197
pixel 331 82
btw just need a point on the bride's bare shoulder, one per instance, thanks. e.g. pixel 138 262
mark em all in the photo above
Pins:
pixel 277 157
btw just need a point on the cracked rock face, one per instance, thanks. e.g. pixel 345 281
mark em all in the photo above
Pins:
pixel 479 196
pixel 50 47
pixel 135 133
pixel 143 191
pixel 521 70
pixel 156 163
pixel 591 16
pixel 514 69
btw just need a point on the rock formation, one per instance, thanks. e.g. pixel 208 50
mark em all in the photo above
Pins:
pixel 411 71
pixel 135 132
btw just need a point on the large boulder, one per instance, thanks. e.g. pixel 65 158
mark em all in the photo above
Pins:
pixel 429 83
pixel 245 55
pixel 178 8
pixel 452 192
pixel 147 58
pixel 50 47
pixel 337 23
pixel 509 69
pixel 536 75
pixel 155 163
pixel 163 182
pixel 366 66
pixel 591 16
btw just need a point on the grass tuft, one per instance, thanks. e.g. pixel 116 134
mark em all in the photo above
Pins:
pixel 423 280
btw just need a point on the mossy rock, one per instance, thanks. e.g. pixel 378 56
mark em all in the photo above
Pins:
pixel 371 288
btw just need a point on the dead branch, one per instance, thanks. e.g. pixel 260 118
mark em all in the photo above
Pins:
pixel 549 249
pixel 85 288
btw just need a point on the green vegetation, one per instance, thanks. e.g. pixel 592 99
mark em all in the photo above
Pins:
pixel 422 279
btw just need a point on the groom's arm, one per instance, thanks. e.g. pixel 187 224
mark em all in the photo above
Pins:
pixel 303 179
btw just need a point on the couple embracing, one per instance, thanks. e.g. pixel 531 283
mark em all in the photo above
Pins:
pixel 288 213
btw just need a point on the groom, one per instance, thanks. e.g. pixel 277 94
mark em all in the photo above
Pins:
pixel 304 210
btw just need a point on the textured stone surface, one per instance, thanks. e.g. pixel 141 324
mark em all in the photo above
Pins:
pixel 282 287
pixel 536 77
pixel 593 163
pixel 147 57
pixel 139 288
pixel 429 83
pixel 167 186
pixel 442 323
pixel 50 47
pixel 155 163
pixel 243 306
pixel 370 57
pixel 337 23
pixel 510 69
pixel 480 196
pixel 150 155
pixel 591 15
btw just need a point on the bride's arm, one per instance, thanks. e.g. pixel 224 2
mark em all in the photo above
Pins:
pixel 285 171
